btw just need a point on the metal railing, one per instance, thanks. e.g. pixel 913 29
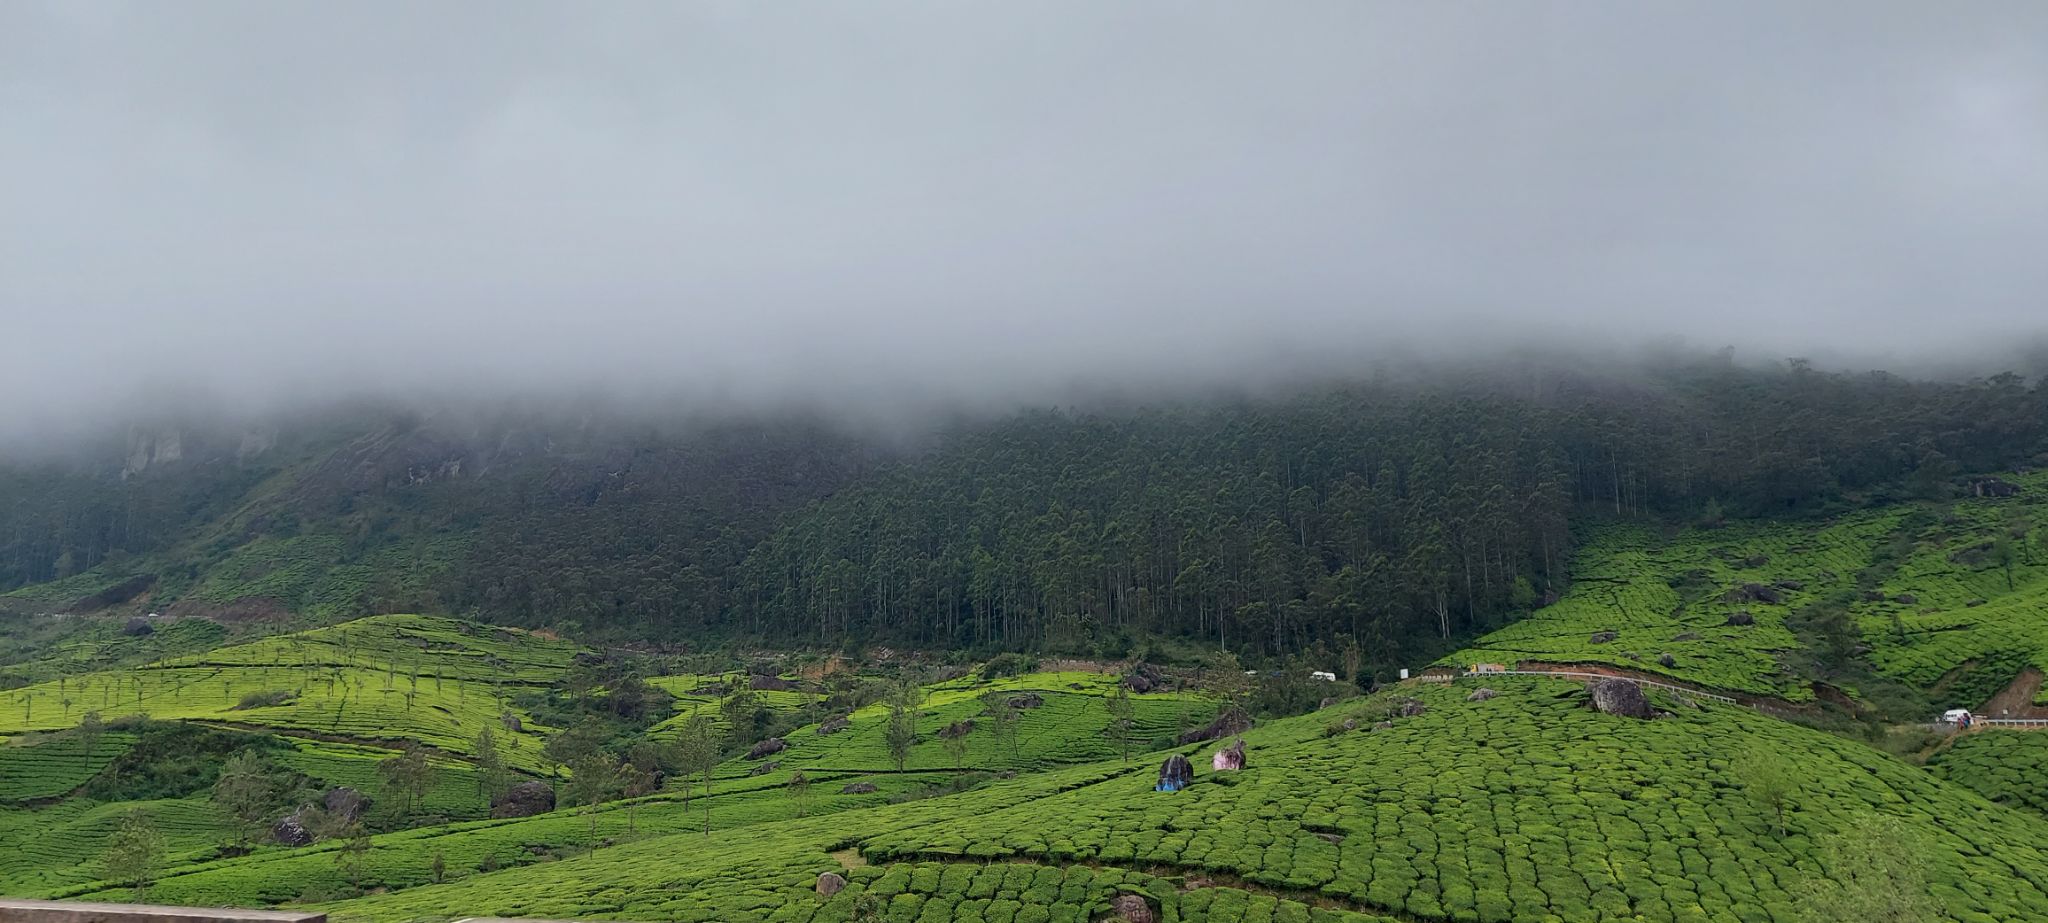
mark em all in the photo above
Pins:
pixel 1575 674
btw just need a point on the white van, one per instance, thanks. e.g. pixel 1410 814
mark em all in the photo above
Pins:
pixel 1955 716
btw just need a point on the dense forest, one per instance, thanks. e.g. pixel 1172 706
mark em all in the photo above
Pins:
pixel 1377 513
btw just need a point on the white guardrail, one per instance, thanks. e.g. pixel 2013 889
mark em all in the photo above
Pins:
pixel 1975 720
pixel 1574 674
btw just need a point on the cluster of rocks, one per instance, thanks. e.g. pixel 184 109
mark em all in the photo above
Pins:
pixel 338 806
pixel 767 748
pixel 834 725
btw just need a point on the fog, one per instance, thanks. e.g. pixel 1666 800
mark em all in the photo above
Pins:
pixel 886 205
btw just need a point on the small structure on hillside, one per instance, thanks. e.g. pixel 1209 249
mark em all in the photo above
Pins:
pixel 1175 774
pixel 1489 668
pixel 1324 675
pixel 1229 759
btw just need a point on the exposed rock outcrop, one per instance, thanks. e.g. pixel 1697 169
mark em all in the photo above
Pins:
pixel 524 800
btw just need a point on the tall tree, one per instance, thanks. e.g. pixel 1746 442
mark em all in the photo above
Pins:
pixel 248 790
pixel 901 732
pixel 407 776
pixel 134 851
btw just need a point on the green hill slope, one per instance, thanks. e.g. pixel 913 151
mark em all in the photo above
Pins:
pixel 1525 807
pixel 389 678
pixel 1951 598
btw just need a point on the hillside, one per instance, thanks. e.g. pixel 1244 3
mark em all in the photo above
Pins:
pixel 1528 806
pixel 1400 516
pixel 1947 599
pixel 390 678
pixel 1420 803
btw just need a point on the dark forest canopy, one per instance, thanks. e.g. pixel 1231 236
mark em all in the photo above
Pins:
pixel 1385 514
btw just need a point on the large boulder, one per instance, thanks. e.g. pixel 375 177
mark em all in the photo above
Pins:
pixel 1027 700
pixel 345 804
pixel 1741 619
pixel 291 830
pixel 524 800
pixel 771 683
pixel 766 768
pixel 1602 637
pixel 767 748
pixel 1409 708
pixel 830 883
pixel 834 726
pixel 1228 759
pixel 1620 697
pixel 1133 908
pixel 958 729
pixel 858 788
pixel 1229 722
pixel 1144 678
pixel 1481 694
pixel 138 627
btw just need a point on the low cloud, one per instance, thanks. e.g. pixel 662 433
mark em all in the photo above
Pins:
pixel 912 204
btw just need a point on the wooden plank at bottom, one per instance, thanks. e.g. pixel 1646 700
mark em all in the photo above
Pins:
pixel 22 911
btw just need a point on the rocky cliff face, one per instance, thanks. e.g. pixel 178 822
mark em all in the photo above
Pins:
pixel 150 447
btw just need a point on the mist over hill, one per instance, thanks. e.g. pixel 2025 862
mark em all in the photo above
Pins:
pixel 1393 515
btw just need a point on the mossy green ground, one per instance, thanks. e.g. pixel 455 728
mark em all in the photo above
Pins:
pixel 1922 583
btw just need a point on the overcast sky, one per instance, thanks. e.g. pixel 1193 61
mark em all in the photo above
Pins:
pixel 877 201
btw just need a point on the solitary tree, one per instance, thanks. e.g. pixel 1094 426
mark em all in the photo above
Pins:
pixel 696 753
pixel 133 852
pixel 406 777
pixel 634 781
pixel 246 789
pixel 954 739
pixel 1768 782
pixel 1121 719
pixel 800 792
pixel 491 774
pixel 1003 718
pixel 591 782
pixel 89 730
pixel 353 858
pixel 902 730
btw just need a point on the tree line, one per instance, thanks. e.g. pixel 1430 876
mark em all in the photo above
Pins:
pixel 1376 515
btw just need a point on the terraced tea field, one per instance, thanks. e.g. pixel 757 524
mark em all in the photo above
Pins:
pixel 52 767
pixel 1070 726
pixel 1926 585
pixel 391 678
pixel 2008 767
pixel 1525 807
